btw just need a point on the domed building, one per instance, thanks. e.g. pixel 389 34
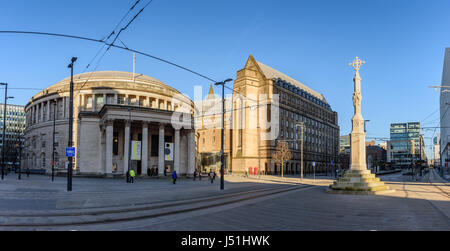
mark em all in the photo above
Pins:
pixel 122 121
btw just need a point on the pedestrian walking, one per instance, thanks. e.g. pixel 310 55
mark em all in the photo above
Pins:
pixel 174 177
pixel 211 176
pixel 200 175
pixel 195 174
pixel 132 175
pixel 128 176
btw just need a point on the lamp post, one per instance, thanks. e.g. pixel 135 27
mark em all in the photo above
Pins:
pixel 4 128
pixel 70 144
pixel 222 173
pixel 365 123
pixel 302 126
pixel 129 146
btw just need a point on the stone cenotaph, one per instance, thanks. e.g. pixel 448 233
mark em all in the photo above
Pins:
pixel 358 180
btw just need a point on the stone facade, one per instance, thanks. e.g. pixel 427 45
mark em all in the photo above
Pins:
pixel 256 91
pixel 111 111
pixel 209 132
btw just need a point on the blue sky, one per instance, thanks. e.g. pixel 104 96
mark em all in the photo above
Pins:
pixel 402 42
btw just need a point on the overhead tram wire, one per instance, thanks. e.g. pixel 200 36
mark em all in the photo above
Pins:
pixel 423 120
pixel 116 37
pixel 131 21
pixel 112 33
pixel 101 49
pixel 441 119
pixel 112 45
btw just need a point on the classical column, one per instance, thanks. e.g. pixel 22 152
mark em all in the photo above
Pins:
pixel 105 101
pixel 94 102
pixel 176 157
pixel 161 158
pixel 116 99
pixel 109 147
pixel 48 111
pixel 82 103
pixel 64 101
pixel 55 109
pixel 144 149
pixel 42 112
pixel 191 153
pixel 126 148
pixel 33 113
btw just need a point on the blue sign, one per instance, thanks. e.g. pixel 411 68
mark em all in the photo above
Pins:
pixel 70 151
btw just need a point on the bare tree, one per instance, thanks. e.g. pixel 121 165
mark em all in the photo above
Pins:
pixel 282 155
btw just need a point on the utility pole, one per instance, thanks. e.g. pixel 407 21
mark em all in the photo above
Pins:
pixel 222 172
pixel 70 144
pixel 129 145
pixel 4 129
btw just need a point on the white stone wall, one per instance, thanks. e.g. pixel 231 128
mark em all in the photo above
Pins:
pixel 90 150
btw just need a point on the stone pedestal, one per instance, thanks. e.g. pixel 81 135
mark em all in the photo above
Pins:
pixel 361 182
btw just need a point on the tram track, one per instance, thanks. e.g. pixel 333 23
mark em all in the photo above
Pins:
pixel 96 217
pixel 445 193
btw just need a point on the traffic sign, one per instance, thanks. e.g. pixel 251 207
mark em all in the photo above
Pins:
pixel 70 151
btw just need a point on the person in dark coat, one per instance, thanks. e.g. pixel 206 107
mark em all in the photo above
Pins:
pixel 195 174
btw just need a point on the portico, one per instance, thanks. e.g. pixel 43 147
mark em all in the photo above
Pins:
pixel 138 138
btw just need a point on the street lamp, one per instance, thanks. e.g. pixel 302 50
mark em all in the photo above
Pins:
pixel 222 173
pixel 70 144
pixel 302 126
pixel 365 122
pixel 129 146
pixel 4 128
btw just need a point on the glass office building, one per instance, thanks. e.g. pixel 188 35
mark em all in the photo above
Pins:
pixel 406 144
pixel 14 133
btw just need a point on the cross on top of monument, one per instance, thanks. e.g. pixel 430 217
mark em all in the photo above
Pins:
pixel 357 63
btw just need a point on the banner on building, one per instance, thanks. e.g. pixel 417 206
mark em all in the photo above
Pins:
pixel 135 150
pixel 168 151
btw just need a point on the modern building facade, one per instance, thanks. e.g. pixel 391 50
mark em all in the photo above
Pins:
pixel 14 133
pixel 261 91
pixel 445 111
pixel 122 121
pixel 406 144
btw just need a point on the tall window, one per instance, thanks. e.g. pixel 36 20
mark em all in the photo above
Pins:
pixel 56 139
pixel 43 160
pixel 155 146
pixel 42 140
